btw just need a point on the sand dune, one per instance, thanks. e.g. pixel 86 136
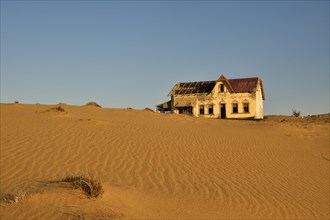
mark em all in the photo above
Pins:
pixel 162 166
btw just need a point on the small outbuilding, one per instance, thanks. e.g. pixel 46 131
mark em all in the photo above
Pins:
pixel 164 107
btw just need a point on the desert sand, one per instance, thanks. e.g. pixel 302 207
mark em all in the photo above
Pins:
pixel 161 166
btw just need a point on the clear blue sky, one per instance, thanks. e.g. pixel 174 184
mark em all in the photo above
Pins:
pixel 131 53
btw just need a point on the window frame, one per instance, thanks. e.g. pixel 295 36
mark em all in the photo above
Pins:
pixel 211 107
pixel 233 107
pixel 221 87
pixel 248 107
pixel 201 108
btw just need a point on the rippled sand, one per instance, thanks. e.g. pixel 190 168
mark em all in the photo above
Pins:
pixel 161 166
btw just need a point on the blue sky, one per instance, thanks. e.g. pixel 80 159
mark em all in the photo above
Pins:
pixel 131 53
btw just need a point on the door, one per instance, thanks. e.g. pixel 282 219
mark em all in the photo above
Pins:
pixel 222 110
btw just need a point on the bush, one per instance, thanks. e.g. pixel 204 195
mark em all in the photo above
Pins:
pixel 91 186
pixel 295 113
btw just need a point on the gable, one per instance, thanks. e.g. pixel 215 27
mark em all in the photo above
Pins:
pixel 241 85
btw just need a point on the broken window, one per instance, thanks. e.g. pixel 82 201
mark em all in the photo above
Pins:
pixel 235 107
pixel 210 109
pixel 201 109
pixel 246 107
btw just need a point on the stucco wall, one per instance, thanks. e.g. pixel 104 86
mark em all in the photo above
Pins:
pixel 259 103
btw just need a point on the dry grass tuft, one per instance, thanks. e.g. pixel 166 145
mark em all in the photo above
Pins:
pixel 93 104
pixel 90 185
pixel 13 198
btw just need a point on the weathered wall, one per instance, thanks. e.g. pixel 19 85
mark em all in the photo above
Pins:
pixel 259 103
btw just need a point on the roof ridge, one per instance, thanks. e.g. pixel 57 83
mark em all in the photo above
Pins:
pixel 209 81
pixel 255 77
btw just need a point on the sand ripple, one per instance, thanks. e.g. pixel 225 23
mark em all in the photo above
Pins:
pixel 222 169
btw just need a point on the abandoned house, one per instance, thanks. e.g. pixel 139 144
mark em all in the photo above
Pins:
pixel 223 98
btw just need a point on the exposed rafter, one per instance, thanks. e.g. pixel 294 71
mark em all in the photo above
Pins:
pixel 187 88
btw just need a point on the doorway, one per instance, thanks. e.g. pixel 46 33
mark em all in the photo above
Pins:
pixel 222 110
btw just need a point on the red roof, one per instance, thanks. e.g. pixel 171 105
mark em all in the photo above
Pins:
pixel 244 84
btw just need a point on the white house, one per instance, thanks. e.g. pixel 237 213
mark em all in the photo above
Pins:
pixel 223 98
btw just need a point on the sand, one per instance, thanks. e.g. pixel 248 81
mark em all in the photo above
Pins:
pixel 161 166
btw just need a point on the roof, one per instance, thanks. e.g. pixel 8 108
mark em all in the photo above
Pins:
pixel 164 105
pixel 235 85
pixel 187 88
pixel 244 84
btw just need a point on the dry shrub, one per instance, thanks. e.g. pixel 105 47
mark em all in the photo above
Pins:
pixel 93 104
pixel 57 109
pixel 91 186
pixel 14 198
pixel 295 113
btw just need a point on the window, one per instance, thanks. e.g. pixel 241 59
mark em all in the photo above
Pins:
pixel 221 88
pixel 235 107
pixel 246 107
pixel 210 109
pixel 201 109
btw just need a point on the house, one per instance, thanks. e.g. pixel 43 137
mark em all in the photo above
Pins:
pixel 223 98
